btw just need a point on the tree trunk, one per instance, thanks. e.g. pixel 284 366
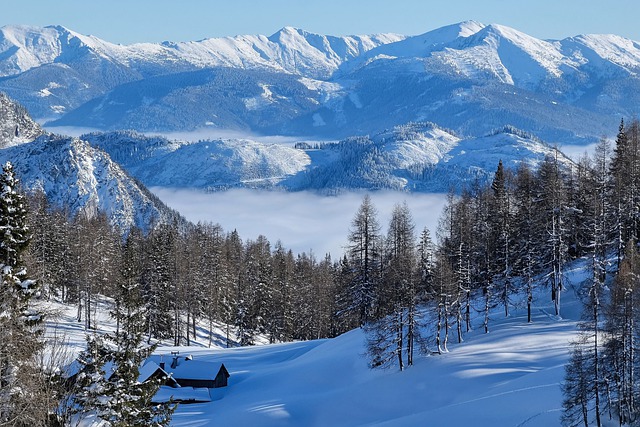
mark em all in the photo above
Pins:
pixel 399 339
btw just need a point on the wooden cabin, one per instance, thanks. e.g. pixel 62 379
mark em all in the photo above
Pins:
pixel 198 374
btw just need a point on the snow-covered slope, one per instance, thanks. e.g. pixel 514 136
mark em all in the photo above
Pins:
pixel 227 98
pixel 84 179
pixel 511 376
pixel 16 126
pixel 508 377
pixel 215 164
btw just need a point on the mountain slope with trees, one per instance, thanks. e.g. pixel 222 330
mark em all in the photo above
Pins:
pixel 415 157
pixel 84 181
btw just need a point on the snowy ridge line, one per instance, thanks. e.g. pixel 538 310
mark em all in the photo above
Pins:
pixel 290 50
pixel 415 157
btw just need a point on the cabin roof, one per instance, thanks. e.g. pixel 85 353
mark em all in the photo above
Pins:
pixel 196 369
pixel 148 369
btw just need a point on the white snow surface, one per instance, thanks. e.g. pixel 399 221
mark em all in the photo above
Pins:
pixel 508 377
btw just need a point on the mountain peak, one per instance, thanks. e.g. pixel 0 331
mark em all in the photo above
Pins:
pixel 60 29
pixel 467 28
pixel 287 32
pixel 452 32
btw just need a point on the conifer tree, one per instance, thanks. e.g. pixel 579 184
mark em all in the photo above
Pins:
pixel 303 296
pixel 576 389
pixel 325 287
pixel 345 316
pixel 159 281
pixel 279 325
pixel 130 402
pixel 619 182
pixel 254 298
pixel 445 287
pixel 234 259
pixel 527 249
pixel 481 253
pixel 19 332
pixel 107 385
pixel 552 208
pixel 620 347
pixel 625 185
pixel 87 397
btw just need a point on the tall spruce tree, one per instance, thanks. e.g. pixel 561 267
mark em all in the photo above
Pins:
pixel 88 395
pixel 19 331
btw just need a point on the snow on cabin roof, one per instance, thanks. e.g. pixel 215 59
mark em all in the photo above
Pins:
pixel 194 369
pixel 147 371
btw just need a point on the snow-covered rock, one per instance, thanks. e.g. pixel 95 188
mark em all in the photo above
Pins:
pixel 16 126
pixel 84 179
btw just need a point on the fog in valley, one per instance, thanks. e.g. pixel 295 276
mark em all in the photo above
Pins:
pixel 302 221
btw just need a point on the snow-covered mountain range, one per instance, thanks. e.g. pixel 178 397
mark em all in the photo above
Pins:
pixel 468 77
pixel 414 157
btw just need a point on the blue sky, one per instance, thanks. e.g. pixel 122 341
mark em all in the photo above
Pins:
pixel 127 21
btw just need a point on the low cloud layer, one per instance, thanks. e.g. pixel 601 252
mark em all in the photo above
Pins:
pixel 302 221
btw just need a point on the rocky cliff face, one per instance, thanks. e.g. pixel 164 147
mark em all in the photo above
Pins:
pixel 16 126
